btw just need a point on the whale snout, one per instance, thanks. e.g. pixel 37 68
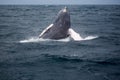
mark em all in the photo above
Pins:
pixel 65 9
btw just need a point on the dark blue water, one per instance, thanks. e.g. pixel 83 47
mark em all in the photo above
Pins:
pixel 96 59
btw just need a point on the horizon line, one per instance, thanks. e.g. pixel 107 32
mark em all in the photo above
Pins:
pixel 62 4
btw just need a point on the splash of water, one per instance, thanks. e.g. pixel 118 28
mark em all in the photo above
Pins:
pixel 33 39
pixel 73 36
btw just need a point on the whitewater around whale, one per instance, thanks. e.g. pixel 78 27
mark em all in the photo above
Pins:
pixel 75 37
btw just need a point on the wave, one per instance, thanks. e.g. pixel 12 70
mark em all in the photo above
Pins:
pixel 77 58
pixel 73 36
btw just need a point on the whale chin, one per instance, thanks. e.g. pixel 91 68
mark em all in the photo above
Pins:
pixel 59 28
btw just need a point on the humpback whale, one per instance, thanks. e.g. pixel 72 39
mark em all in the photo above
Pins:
pixel 59 28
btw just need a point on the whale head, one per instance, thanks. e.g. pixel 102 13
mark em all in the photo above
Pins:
pixel 59 28
pixel 63 18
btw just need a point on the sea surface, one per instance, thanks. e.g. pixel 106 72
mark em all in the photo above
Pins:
pixel 24 57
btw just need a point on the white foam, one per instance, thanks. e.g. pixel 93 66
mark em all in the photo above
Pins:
pixel 63 40
pixel 90 37
pixel 33 39
pixel 73 35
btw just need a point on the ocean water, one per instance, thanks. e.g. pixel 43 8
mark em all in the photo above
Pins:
pixel 24 57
